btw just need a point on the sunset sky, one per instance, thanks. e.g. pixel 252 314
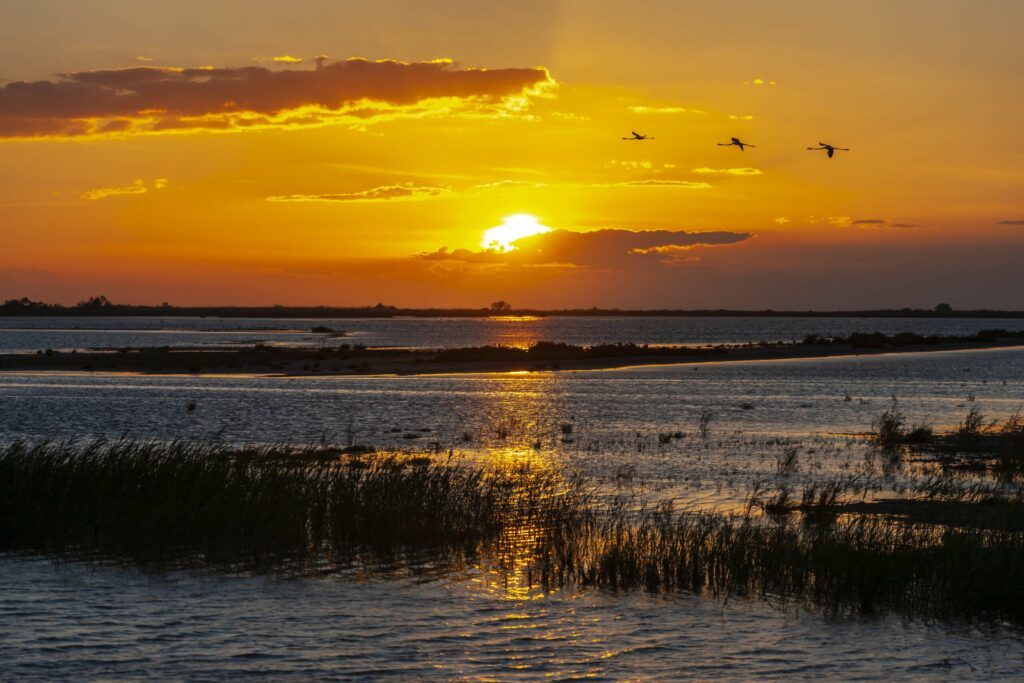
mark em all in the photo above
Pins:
pixel 201 153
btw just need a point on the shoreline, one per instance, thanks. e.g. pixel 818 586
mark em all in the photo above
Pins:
pixel 341 361
pixel 26 308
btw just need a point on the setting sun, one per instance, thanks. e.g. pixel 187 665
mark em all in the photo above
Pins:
pixel 514 227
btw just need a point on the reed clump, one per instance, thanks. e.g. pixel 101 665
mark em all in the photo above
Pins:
pixel 856 565
pixel 888 428
pixel 252 507
pixel 975 444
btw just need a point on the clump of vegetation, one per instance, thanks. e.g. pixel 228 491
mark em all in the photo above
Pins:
pixel 704 424
pixel 972 424
pixel 877 340
pixel 865 565
pixel 788 461
pixel 975 444
pixel 919 434
pixel 888 428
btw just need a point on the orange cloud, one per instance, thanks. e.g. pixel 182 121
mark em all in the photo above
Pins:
pixel 728 171
pixel 148 99
pixel 641 109
pixel 403 191
pixel 880 223
pixel 657 182
pixel 384 193
pixel 137 187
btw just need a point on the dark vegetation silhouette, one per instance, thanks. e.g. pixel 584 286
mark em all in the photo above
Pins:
pixel 100 305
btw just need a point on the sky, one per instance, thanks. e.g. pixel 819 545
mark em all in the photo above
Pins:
pixel 350 153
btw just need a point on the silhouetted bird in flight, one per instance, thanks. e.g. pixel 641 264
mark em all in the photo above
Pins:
pixel 831 149
pixel 637 136
pixel 737 142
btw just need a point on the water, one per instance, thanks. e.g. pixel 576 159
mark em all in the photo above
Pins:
pixel 616 416
pixel 83 621
pixel 31 334
pixel 78 622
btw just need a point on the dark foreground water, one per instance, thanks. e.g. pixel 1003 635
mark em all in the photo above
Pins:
pixel 77 621
pixel 85 623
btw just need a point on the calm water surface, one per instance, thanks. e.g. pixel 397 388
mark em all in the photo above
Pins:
pixel 77 621
pixel 30 334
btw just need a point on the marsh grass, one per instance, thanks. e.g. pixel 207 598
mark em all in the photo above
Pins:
pixel 259 507
pixel 313 509
pixel 861 565
pixel 788 461
pixel 976 443
pixel 889 428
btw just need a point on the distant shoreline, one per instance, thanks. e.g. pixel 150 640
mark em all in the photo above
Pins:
pixel 101 307
pixel 542 357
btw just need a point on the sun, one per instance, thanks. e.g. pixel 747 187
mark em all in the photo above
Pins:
pixel 514 227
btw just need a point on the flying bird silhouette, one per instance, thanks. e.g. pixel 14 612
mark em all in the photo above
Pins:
pixel 637 136
pixel 737 142
pixel 831 149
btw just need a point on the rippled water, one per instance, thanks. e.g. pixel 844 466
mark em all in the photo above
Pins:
pixel 79 621
pixel 616 416
pixel 30 334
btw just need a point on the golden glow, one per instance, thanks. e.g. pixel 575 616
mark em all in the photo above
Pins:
pixel 514 318
pixel 303 196
pixel 517 226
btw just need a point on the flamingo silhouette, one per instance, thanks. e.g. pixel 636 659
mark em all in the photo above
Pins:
pixel 735 142
pixel 831 149
pixel 637 136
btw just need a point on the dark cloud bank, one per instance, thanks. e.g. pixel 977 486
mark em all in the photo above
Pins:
pixel 599 248
pixel 74 102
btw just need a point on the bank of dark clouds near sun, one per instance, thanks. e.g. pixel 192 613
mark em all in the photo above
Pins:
pixel 606 247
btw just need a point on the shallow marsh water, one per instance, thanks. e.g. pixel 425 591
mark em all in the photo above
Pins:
pixel 31 334
pixel 85 621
